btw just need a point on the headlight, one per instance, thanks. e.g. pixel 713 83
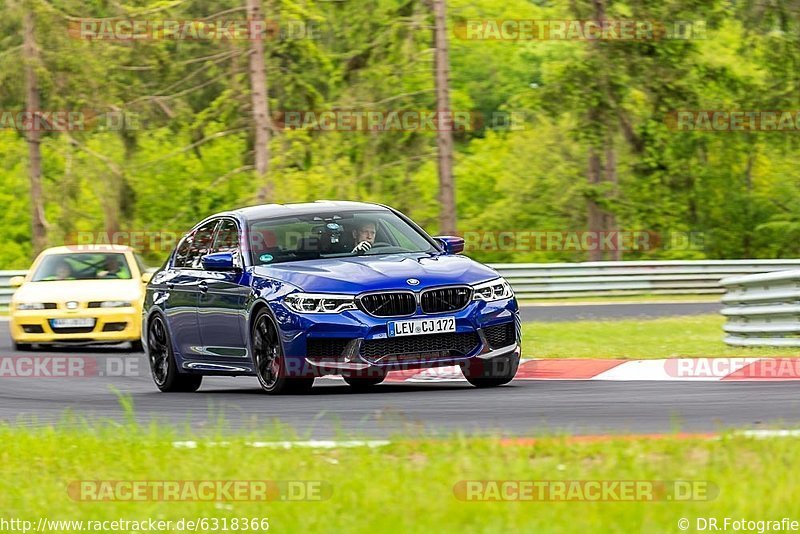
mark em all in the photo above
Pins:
pixel 116 304
pixel 319 303
pixel 497 289
pixel 27 306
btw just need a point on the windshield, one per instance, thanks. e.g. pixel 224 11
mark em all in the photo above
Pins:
pixel 82 266
pixel 333 235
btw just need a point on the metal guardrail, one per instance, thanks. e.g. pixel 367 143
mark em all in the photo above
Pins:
pixel 603 278
pixel 5 289
pixel 610 278
pixel 763 309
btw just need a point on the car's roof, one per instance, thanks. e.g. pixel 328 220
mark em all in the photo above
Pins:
pixel 302 208
pixel 66 249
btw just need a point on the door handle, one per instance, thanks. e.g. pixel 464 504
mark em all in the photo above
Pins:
pixel 203 286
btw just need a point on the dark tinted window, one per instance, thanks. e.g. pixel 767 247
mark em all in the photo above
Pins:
pixel 227 239
pixel 332 235
pixel 194 246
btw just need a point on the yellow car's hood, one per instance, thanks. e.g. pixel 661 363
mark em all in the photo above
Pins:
pixel 80 291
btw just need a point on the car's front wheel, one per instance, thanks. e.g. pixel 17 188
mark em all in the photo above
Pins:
pixel 162 361
pixel 491 372
pixel 269 359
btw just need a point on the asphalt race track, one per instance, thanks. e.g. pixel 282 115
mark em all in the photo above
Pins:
pixel 612 311
pixel 332 409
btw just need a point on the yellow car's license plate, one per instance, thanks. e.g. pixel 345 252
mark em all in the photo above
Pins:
pixel 77 322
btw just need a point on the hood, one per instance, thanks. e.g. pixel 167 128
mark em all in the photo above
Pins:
pixel 80 291
pixel 369 273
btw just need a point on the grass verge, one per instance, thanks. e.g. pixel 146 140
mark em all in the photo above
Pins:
pixel 671 337
pixel 402 487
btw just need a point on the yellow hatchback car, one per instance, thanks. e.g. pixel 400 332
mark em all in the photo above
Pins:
pixel 81 294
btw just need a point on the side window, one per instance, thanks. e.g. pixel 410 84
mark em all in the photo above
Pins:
pixel 140 263
pixel 182 252
pixel 194 246
pixel 227 239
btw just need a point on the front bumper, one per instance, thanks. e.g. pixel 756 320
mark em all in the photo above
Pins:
pixel 356 330
pixel 112 325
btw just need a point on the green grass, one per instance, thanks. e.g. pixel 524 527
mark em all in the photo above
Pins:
pixel 671 337
pixel 406 486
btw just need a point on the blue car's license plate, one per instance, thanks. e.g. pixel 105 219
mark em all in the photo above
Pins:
pixel 414 327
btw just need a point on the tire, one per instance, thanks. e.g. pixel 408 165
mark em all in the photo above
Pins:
pixel 269 362
pixel 137 346
pixel 362 383
pixel 491 373
pixel 162 361
pixel 22 347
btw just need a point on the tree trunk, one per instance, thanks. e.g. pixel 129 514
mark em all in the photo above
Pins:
pixel 258 92
pixel 34 136
pixel 595 216
pixel 611 177
pixel 602 161
pixel 444 134
pixel 111 205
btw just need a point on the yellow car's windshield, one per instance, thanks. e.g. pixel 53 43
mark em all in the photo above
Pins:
pixel 82 266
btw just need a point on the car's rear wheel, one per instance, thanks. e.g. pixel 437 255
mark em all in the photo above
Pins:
pixel 162 361
pixel 269 359
pixel 492 372
pixel 361 383
pixel 23 347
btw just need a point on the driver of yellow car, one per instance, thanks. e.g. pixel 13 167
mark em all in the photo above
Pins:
pixel 113 268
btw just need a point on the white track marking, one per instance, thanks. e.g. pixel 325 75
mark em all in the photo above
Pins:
pixel 310 444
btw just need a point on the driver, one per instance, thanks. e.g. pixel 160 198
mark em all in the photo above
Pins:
pixel 112 268
pixel 364 237
pixel 63 271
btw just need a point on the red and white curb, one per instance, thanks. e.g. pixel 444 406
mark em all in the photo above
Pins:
pixel 671 369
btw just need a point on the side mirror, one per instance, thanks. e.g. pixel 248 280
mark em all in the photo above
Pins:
pixel 146 277
pixel 16 281
pixel 218 261
pixel 451 244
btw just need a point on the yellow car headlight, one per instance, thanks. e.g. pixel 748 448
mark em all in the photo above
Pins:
pixel 28 306
pixel 116 304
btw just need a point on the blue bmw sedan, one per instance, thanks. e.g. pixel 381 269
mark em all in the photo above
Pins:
pixel 292 292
